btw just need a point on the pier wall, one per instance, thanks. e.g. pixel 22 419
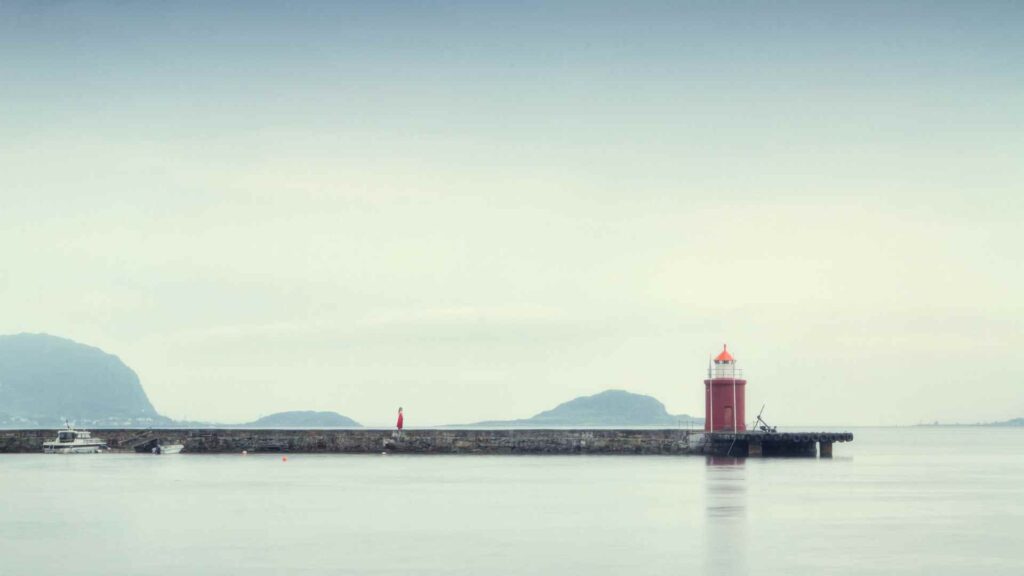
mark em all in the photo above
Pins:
pixel 367 441
pixel 454 441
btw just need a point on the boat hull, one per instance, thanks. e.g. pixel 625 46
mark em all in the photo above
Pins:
pixel 82 449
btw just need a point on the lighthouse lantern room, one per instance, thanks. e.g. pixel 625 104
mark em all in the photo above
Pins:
pixel 724 395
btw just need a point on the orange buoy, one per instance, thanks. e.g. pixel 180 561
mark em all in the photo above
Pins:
pixel 284 458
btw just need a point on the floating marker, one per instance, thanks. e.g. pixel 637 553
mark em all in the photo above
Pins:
pixel 245 452
pixel 284 458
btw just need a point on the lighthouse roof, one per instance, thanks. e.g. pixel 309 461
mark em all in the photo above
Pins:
pixel 725 356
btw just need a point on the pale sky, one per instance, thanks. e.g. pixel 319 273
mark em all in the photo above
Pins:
pixel 478 212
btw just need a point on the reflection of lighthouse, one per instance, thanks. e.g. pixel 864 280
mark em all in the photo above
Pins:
pixel 724 395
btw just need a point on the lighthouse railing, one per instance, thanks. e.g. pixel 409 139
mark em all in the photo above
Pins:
pixel 720 373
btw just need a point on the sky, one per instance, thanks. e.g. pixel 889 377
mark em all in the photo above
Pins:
pixel 480 210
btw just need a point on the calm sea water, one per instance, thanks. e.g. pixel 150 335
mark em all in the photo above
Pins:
pixel 930 501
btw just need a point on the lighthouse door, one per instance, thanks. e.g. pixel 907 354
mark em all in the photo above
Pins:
pixel 728 418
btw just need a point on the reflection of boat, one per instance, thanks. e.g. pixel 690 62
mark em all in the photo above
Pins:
pixel 71 441
pixel 167 448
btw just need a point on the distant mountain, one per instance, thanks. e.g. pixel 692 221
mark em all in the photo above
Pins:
pixel 45 380
pixel 304 419
pixel 609 408
pixel 1004 423
pixel 1014 422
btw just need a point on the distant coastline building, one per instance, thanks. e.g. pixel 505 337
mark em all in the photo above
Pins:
pixel 724 395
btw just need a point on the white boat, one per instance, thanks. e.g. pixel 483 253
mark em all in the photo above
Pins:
pixel 168 448
pixel 71 441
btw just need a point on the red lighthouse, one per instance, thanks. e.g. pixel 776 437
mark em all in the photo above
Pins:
pixel 724 393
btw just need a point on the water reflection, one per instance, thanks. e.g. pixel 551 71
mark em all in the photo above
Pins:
pixel 725 461
pixel 726 515
pixel 726 485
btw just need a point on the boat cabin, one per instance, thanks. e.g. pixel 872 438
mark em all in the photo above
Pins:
pixel 69 436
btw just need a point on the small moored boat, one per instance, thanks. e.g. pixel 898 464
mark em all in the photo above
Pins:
pixel 151 444
pixel 71 441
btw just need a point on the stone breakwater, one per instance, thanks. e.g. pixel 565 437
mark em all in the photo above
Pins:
pixel 369 441
pixel 461 441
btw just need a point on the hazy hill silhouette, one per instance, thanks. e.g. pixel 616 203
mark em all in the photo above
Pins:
pixel 608 408
pixel 45 379
pixel 303 419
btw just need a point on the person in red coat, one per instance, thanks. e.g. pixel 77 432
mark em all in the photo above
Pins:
pixel 401 421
